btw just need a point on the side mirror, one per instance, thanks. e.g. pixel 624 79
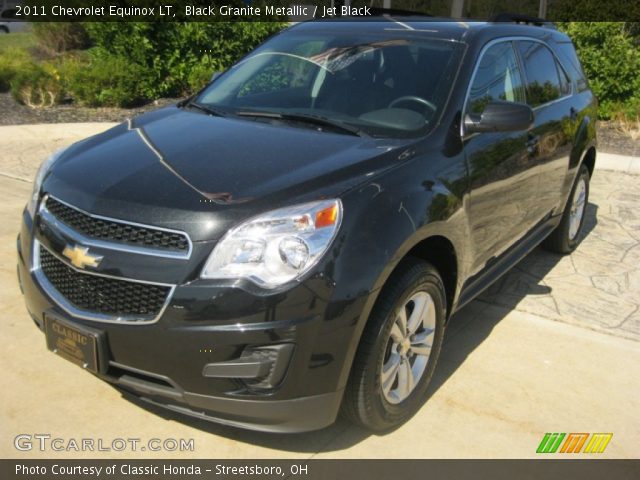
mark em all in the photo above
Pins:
pixel 500 117
pixel 214 76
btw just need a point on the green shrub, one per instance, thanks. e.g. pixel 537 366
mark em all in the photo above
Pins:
pixel 174 56
pixel 629 110
pixel 611 59
pixel 131 62
pixel 105 82
pixel 37 85
pixel 199 75
pixel 59 37
pixel 12 60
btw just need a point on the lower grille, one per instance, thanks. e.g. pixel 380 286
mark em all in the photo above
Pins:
pixel 102 295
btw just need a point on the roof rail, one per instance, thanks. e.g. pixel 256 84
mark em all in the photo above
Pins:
pixel 520 18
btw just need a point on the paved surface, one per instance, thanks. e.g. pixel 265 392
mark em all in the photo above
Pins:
pixel 552 347
pixel 24 146
pixel 598 286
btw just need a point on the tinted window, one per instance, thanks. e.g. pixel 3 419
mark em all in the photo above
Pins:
pixel 572 62
pixel 497 78
pixel 565 84
pixel 391 84
pixel 543 83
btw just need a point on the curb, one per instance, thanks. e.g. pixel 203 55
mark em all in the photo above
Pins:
pixel 617 163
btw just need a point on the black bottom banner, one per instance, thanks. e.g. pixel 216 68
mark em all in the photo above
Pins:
pixel 321 469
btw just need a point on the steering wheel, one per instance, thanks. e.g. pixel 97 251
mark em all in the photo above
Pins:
pixel 416 99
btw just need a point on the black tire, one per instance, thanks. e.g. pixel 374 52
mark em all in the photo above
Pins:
pixel 365 403
pixel 560 240
pixel 4 30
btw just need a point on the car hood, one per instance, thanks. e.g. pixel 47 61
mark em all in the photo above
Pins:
pixel 175 163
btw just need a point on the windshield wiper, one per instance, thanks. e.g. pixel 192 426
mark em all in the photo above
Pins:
pixel 216 112
pixel 307 118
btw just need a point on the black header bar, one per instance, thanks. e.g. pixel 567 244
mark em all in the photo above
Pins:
pixel 299 10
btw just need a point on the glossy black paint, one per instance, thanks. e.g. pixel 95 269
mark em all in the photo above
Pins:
pixel 501 117
pixel 474 202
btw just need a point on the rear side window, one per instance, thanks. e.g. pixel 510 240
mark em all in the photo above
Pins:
pixel 571 61
pixel 543 81
pixel 565 83
pixel 498 77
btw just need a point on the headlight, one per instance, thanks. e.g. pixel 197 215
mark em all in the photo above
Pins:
pixel 276 247
pixel 37 183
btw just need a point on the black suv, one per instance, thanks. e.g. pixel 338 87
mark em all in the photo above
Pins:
pixel 292 240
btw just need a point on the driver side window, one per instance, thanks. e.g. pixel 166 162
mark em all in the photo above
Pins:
pixel 497 78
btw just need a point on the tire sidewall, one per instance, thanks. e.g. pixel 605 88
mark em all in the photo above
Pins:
pixel 572 243
pixel 384 412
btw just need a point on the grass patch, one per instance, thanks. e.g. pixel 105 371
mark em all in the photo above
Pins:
pixel 24 40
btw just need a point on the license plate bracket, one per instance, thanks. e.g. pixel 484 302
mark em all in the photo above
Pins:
pixel 73 342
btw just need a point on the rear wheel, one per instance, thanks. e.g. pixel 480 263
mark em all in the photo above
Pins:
pixel 398 350
pixel 564 239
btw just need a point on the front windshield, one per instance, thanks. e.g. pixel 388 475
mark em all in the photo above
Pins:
pixel 390 84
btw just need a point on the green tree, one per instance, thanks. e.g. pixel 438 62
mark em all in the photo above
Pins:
pixel 610 57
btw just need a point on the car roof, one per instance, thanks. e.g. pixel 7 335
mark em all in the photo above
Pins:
pixel 467 31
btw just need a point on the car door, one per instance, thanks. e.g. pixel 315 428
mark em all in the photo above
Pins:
pixel 502 177
pixel 549 94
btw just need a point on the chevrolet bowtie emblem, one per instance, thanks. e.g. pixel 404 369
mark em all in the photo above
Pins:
pixel 80 256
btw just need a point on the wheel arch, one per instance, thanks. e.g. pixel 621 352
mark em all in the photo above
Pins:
pixel 589 159
pixel 439 251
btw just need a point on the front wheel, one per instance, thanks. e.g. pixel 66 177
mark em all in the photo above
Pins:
pixel 564 239
pixel 399 349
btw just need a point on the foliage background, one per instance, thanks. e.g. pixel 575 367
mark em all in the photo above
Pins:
pixel 610 56
pixel 125 63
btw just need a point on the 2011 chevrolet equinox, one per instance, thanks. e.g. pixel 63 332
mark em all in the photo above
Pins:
pixel 292 240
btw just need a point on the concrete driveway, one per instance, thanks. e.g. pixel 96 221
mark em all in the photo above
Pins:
pixel 552 347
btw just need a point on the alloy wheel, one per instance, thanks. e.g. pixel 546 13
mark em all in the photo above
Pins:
pixel 408 348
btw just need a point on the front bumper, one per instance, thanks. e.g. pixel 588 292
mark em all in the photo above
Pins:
pixel 165 362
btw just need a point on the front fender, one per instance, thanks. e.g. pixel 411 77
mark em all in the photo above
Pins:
pixel 385 219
